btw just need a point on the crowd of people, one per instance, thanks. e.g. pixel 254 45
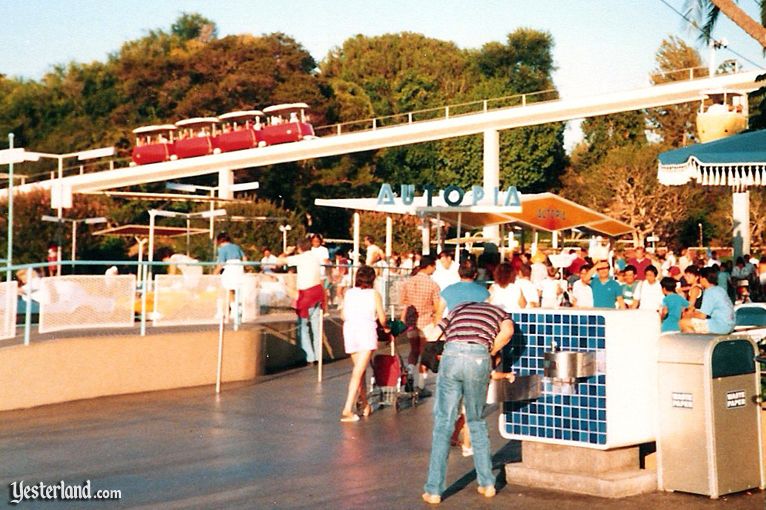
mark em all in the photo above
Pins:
pixel 469 305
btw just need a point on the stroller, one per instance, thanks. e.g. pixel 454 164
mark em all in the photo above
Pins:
pixel 390 385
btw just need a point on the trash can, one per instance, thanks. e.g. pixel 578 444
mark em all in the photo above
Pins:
pixel 709 437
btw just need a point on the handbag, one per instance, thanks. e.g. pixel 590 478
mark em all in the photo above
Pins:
pixel 432 353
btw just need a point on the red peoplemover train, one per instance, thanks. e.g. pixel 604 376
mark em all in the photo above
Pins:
pixel 232 131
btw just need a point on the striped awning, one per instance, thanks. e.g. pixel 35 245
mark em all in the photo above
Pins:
pixel 739 161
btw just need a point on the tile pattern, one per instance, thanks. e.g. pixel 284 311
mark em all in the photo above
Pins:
pixel 579 417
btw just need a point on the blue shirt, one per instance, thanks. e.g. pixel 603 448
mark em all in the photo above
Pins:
pixel 605 294
pixel 716 304
pixel 675 303
pixel 464 292
pixel 229 251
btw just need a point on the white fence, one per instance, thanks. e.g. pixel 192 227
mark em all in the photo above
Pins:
pixel 113 301
pixel 8 293
pixel 187 299
pixel 86 302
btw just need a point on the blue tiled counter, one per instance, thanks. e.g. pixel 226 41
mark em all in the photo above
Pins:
pixel 615 407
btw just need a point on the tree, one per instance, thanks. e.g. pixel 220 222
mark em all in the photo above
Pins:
pixel 708 12
pixel 194 26
pixel 675 124
pixel 605 132
pixel 624 185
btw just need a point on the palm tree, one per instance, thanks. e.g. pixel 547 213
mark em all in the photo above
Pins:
pixel 711 9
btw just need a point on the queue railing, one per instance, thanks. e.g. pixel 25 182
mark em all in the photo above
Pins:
pixel 93 301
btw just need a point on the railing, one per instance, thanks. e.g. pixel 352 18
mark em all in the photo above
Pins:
pixel 107 301
pixel 438 113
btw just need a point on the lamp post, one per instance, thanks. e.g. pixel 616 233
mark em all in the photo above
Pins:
pixel 60 197
pixel 74 222
pixel 284 229
pixel 699 225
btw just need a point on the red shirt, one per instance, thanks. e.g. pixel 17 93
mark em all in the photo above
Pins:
pixel 640 266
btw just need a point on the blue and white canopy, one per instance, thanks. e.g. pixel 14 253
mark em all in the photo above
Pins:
pixel 739 160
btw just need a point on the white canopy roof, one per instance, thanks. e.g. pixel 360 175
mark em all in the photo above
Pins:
pixel 242 114
pixel 287 107
pixel 154 129
pixel 197 121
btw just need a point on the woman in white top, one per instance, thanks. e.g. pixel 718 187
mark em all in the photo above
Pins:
pixel 504 292
pixel 361 307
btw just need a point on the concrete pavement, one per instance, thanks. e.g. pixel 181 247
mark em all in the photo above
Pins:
pixel 275 443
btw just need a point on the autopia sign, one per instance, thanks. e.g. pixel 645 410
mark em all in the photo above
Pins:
pixel 453 196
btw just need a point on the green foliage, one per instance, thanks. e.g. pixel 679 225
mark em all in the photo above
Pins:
pixel 187 71
pixel 194 26
pixel 31 235
pixel 606 132
pixel 405 233
pixel 675 124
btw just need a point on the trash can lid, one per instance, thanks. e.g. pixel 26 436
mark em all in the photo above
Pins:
pixel 733 356
pixel 728 354
pixel 684 348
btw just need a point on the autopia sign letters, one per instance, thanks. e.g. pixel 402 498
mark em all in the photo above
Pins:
pixel 453 195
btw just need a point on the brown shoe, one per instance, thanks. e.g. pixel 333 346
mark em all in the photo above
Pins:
pixel 432 499
pixel 488 491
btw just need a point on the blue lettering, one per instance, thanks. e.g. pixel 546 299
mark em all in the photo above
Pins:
pixel 429 189
pixel 448 191
pixel 478 194
pixel 386 195
pixel 408 193
pixel 512 198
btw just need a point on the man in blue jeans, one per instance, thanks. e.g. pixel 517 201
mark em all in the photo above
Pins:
pixel 474 333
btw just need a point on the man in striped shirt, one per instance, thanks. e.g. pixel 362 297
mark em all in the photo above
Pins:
pixel 474 332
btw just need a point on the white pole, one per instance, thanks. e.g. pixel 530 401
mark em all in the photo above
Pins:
pixel 60 212
pixel 74 240
pixel 220 346
pixel 439 232
pixel 236 309
pixel 389 237
pixel 457 246
pixel 741 216
pixel 356 239
pixel 318 349
pixel 425 236
pixel 140 258
pixel 150 255
pixel 491 173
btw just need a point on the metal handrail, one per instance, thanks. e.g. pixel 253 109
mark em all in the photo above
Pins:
pixel 379 122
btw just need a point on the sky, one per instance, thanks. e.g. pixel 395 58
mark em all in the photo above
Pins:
pixel 600 45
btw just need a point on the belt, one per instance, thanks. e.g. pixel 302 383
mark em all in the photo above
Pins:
pixel 468 342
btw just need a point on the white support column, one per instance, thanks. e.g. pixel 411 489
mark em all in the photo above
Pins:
pixel 555 240
pixel 741 216
pixel 225 183
pixel 491 172
pixel 389 238
pixel 356 239
pixel 425 236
